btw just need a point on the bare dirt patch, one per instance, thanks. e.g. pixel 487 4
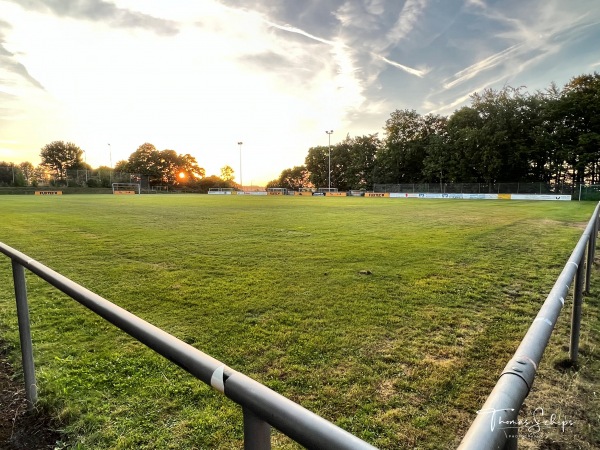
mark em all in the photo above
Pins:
pixel 20 429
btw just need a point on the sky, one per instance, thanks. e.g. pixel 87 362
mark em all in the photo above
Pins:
pixel 198 77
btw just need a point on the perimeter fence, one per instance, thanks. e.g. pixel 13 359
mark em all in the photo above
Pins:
pixel 13 176
pixel 99 178
pixel 478 188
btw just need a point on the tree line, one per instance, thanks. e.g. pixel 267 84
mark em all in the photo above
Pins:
pixel 166 168
pixel 507 135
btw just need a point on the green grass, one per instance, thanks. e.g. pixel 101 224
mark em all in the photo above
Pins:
pixel 402 357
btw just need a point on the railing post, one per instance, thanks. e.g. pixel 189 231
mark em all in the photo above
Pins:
pixel 257 432
pixel 590 256
pixel 576 314
pixel 25 334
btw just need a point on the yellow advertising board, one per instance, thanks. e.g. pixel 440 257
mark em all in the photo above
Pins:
pixel 377 194
pixel 503 196
pixel 335 194
pixel 124 192
pixel 48 192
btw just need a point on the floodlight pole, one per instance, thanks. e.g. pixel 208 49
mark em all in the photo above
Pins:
pixel 241 183
pixel 329 133
pixel 85 159
pixel 110 162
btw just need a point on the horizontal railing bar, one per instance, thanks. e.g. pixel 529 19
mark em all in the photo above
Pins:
pixel 292 419
pixel 507 397
pixel 184 355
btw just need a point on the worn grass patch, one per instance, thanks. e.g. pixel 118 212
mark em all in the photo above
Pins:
pixel 390 318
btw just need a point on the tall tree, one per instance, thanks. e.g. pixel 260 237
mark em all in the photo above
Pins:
pixel 579 110
pixel 227 173
pixel 405 145
pixel 61 156
pixel 462 164
pixel 121 166
pixel 189 166
pixel 28 171
pixel 168 167
pixel 506 140
pixel 317 164
pixel 145 161
pixel 7 173
pixel 341 162
pixel 293 179
pixel 362 154
pixel 163 167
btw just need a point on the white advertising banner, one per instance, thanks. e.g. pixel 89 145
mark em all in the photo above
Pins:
pixel 540 197
pixel 556 197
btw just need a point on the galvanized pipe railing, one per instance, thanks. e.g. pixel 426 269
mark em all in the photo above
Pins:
pixel 501 409
pixel 261 406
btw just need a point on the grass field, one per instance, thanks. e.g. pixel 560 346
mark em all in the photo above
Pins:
pixel 402 357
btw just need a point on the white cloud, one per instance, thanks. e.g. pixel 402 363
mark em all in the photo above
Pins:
pixel 483 65
pixel 195 91
pixel 273 75
pixel 410 70
pixel 408 19
pixel 534 35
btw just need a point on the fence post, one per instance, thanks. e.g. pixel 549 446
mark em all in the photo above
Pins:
pixel 576 314
pixel 25 334
pixel 257 432
pixel 590 256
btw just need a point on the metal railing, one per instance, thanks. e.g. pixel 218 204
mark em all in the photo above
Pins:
pixel 262 407
pixel 488 430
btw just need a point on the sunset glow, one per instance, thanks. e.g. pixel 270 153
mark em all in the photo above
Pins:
pixel 198 77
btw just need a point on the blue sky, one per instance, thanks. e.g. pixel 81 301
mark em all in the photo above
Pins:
pixel 198 77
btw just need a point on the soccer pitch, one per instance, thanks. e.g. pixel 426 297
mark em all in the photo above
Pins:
pixel 391 318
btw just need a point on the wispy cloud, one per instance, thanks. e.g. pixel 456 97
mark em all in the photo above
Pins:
pixel 476 3
pixel 533 34
pixel 101 11
pixel 407 20
pixel 415 72
pixel 9 62
pixel 448 106
pixel 480 66
pixel 292 29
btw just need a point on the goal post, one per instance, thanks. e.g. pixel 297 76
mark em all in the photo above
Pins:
pixel 277 191
pixel 221 191
pixel 126 188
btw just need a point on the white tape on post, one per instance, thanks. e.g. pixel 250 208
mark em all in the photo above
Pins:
pixel 216 380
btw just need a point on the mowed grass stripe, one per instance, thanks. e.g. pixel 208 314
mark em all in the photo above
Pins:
pixel 271 286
